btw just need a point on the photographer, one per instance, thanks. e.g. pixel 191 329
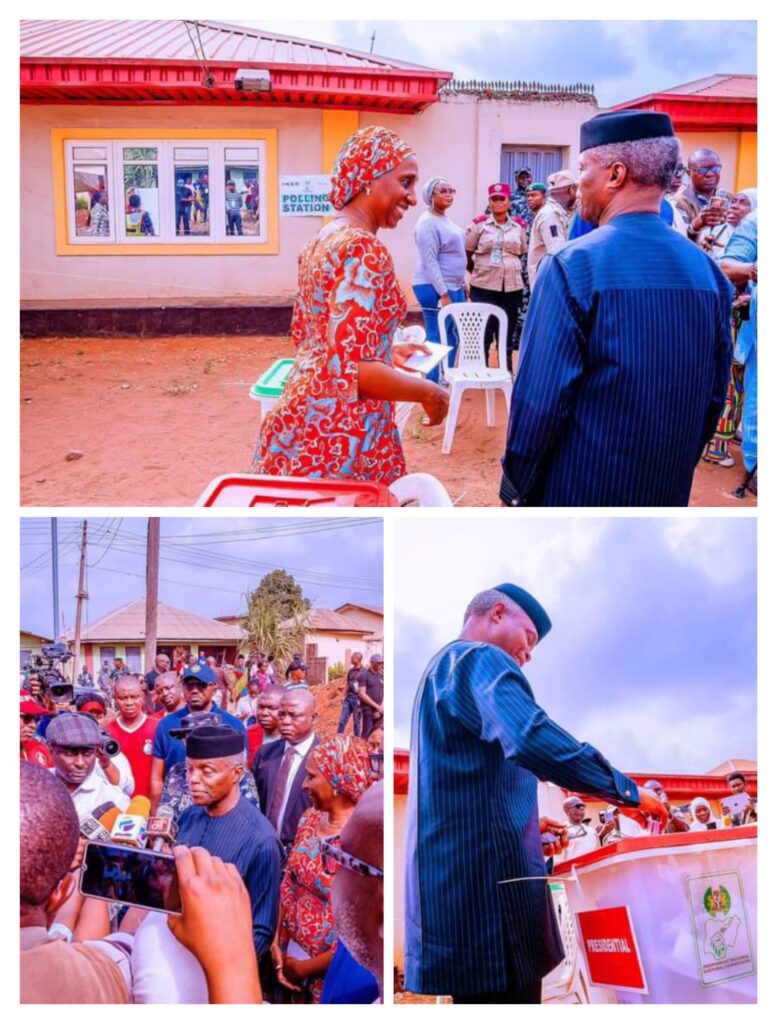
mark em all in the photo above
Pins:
pixel 75 741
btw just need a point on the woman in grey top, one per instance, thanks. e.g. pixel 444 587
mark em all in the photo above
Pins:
pixel 442 262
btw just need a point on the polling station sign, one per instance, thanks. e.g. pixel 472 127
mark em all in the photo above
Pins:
pixel 306 195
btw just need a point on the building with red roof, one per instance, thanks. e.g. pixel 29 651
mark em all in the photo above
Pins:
pixel 720 112
pixel 130 131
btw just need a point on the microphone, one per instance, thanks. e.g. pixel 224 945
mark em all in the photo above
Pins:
pixel 108 819
pixel 130 826
pixel 97 827
pixel 98 812
pixel 92 830
pixel 162 828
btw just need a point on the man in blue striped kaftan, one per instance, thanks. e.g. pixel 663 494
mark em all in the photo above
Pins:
pixel 479 743
pixel 626 348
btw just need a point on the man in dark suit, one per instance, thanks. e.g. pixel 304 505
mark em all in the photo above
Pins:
pixel 479 921
pixel 279 767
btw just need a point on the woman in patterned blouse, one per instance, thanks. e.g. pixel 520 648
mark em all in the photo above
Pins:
pixel 335 418
pixel 338 772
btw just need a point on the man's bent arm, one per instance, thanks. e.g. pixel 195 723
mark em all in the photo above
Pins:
pixel 491 697
pixel 549 366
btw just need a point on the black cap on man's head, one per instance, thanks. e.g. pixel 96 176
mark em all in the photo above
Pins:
pixel 624 126
pixel 530 605
pixel 209 741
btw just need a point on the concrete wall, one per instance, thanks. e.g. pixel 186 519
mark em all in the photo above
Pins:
pixel 335 647
pixel 46 276
pixel 460 137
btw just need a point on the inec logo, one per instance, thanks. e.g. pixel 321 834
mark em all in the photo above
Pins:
pixel 717 900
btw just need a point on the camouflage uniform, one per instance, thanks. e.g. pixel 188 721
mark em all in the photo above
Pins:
pixel 175 791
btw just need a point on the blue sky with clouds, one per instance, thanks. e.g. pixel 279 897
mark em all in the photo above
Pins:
pixel 652 655
pixel 207 564
pixel 621 59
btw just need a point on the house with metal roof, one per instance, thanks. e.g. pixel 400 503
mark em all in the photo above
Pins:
pixel 720 112
pixel 331 637
pixel 121 633
pixel 131 130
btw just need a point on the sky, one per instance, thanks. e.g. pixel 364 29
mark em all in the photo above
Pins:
pixel 207 565
pixel 623 60
pixel 652 653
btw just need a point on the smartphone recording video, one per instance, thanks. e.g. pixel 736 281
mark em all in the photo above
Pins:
pixel 140 878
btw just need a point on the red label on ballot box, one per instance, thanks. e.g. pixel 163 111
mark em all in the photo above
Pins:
pixel 610 947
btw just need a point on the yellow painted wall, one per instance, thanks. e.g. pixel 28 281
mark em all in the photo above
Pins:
pixel 747 164
pixel 337 126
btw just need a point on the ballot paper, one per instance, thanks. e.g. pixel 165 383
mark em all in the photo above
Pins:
pixel 423 362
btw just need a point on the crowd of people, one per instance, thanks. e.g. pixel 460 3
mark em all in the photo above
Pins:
pixel 583 834
pixel 266 818
pixel 617 328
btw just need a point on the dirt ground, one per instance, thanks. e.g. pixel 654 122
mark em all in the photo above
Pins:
pixel 156 419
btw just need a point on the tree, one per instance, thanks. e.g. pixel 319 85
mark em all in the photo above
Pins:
pixel 269 631
pixel 279 588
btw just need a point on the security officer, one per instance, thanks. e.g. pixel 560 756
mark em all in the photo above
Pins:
pixel 550 227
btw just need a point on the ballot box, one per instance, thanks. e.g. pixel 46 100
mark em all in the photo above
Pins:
pixel 248 490
pixel 268 389
pixel 667 919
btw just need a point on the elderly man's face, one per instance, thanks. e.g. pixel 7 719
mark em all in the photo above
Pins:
pixel 513 631
pixel 705 174
pixel 73 764
pixel 162 663
pixel 593 188
pixel 211 779
pixel 576 812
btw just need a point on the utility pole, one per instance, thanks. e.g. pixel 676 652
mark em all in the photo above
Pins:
pixel 80 596
pixel 55 578
pixel 372 42
pixel 152 590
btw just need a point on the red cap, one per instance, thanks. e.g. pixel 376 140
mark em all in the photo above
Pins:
pixel 29 706
pixel 93 707
pixel 500 189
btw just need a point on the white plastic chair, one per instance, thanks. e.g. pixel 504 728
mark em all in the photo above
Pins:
pixel 421 489
pixel 471 370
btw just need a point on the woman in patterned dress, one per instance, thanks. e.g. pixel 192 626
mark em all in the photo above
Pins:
pixel 338 772
pixel 335 418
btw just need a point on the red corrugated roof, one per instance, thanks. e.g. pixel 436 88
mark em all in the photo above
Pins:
pixel 169 40
pixel 742 86
pixel 173 625
pixel 718 103
pixel 135 63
